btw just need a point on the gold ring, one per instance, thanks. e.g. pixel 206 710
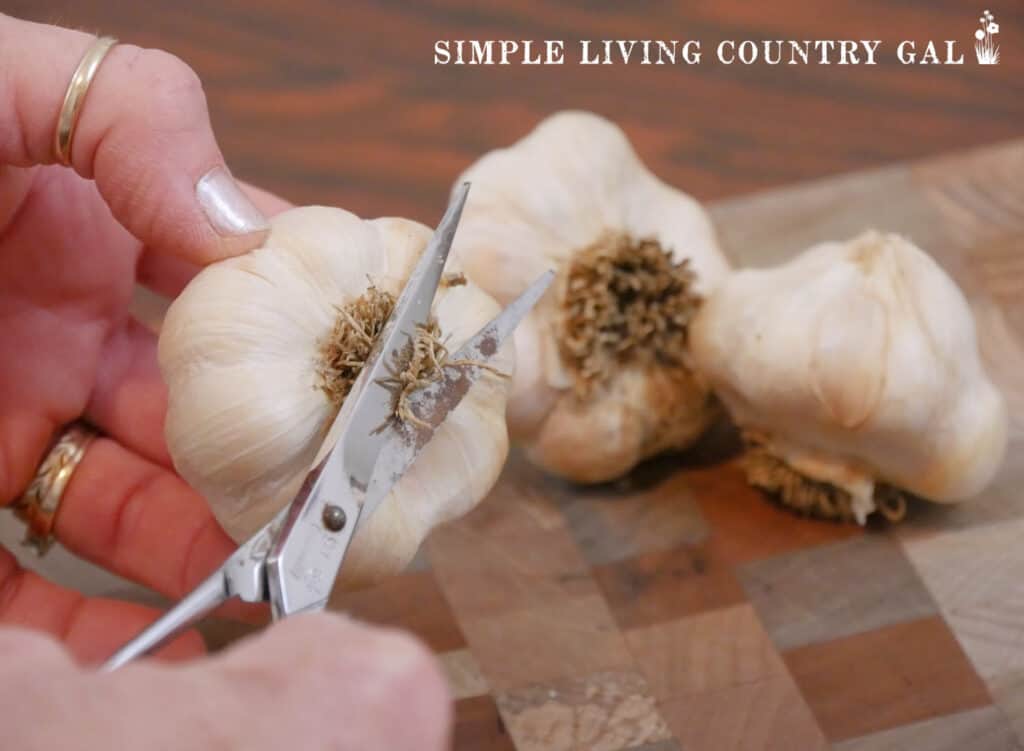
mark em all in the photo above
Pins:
pixel 74 97
pixel 39 505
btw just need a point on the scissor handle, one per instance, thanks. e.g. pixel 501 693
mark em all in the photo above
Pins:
pixel 202 600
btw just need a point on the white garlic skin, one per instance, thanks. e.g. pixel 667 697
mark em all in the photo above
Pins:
pixel 247 418
pixel 857 362
pixel 534 205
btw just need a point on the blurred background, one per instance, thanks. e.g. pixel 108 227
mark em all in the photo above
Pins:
pixel 340 102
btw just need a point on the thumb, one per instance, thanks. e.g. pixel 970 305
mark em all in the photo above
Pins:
pixel 313 681
pixel 326 681
pixel 143 134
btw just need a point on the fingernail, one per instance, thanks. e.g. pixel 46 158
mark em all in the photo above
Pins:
pixel 229 210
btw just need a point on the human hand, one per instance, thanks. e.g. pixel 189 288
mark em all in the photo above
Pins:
pixel 311 682
pixel 71 251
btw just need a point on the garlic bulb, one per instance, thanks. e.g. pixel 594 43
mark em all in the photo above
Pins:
pixel 603 377
pixel 854 372
pixel 259 351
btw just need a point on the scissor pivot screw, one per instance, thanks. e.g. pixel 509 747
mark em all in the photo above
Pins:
pixel 334 517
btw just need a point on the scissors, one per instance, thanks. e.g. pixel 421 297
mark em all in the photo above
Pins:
pixel 293 561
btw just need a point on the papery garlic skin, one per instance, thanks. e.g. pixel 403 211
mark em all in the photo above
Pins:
pixel 247 417
pixel 533 206
pixel 857 362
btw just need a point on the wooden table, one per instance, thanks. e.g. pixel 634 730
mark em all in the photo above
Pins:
pixel 677 609
pixel 339 102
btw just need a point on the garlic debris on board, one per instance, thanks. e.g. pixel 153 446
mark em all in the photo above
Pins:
pixel 259 351
pixel 853 371
pixel 603 374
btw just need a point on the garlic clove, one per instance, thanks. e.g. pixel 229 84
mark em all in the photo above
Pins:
pixel 612 429
pixel 243 351
pixel 849 388
pixel 573 195
pixel 531 399
pixel 856 365
pixel 256 453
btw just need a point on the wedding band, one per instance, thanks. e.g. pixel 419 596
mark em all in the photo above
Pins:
pixel 74 97
pixel 39 505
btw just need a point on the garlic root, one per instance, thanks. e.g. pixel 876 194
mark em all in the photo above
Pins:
pixel 624 301
pixel 813 498
pixel 345 351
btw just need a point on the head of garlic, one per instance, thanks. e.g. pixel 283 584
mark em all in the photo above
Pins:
pixel 854 372
pixel 258 353
pixel 603 374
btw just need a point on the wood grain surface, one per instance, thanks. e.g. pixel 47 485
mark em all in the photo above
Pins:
pixel 677 609
pixel 338 102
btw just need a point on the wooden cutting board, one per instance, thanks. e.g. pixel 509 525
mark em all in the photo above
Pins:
pixel 679 610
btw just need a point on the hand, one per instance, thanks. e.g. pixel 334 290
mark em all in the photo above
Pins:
pixel 71 251
pixel 311 682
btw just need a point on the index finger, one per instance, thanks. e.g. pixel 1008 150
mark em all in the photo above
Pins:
pixel 91 627
pixel 143 134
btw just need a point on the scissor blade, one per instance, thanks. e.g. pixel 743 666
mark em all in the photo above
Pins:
pixel 304 561
pixel 432 404
pixel 203 599
pixel 484 344
pixel 241 575
pixel 375 401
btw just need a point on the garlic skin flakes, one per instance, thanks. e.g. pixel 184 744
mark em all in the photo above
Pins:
pixel 856 364
pixel 571 186
pixel 242 352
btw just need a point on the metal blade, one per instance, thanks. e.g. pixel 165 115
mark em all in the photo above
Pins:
pixel 304 561
pixel 241 575
pixel 432 404
pixel 202 600
pixel 374 401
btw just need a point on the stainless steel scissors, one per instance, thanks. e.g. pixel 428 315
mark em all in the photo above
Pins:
pixel 292 562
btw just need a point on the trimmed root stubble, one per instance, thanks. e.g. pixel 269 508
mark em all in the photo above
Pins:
pixel 813 498
pixel 624 302
pixel 358 326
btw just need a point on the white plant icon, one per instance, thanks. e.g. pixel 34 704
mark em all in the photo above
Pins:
pixel 984 46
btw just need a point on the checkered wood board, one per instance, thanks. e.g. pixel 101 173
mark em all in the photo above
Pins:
pixel 680 610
